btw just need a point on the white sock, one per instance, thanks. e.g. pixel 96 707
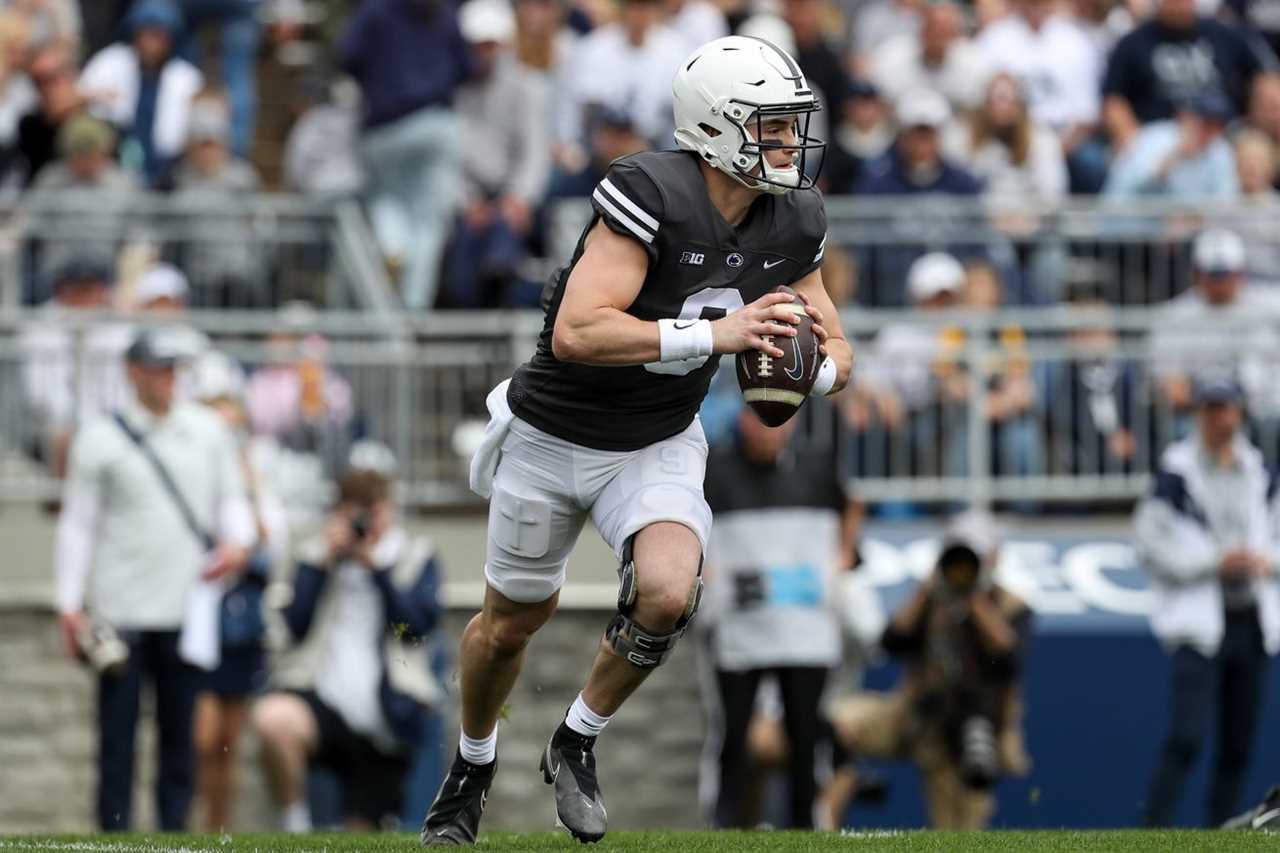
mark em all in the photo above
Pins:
pixel 296 817
pixel 583 720
pixel 479 750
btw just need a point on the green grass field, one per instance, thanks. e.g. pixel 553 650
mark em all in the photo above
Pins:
pixel 694 842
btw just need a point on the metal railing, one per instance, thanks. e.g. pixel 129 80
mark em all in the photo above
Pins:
pixel 1137 250
pixel 1019 406
pixel 238 251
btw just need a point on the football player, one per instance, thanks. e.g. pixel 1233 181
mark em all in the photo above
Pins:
pixel 677 267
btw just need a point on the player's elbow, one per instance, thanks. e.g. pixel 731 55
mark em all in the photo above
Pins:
pixel 566 342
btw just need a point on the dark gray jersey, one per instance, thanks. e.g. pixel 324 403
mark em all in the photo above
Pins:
pixel 699 267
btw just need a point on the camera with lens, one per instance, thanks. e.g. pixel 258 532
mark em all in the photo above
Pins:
pixel 102 648
pixel 361 524
pixel 960 569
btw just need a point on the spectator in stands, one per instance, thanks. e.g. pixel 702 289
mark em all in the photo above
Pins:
pixel 1187 157
pixel 915 165
pixel 1259 206
pixel 364 603
pixel 912 379
pixel 1206 535
pixel 956 713
pixel 88 196
pixel 1223 322
pixel 409 59
pixel 1011 396
pixel 1105 22
pixel 503 113
pixel 68 377
pixel 102 22
pixel 322 156
pixel 543 43
pixel 785 527
pixel 239 31
pixel 940 58
pixel 862 135
pixel 17 94
pixel 698 22
pixel 224 265
pixel 1018 159
pixel 53 73
pixel 1089 398
pixel 821 63
pixel 126 550
pixel 160 295
pixel 1059 69
pixel 51 21
pixel 297 398
pixel 612 134
pixel 626 67
pixel 877 23
pixel 1175 57
pixel 223 704
pixel 144 89
pixel 1264 109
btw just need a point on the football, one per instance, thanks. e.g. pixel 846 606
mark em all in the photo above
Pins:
pixel 776 387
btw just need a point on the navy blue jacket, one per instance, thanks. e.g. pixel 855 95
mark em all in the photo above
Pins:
pixel 887 175
pixel 405 54
pixel 410 614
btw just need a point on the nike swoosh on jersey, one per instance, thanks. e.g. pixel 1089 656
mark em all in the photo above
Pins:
pixel 772 264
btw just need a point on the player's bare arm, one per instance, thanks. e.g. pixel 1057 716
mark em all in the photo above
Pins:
pixel 593 326
pixel 826 326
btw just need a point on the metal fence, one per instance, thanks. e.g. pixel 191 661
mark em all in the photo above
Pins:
pixel 1136 251
pixel 1030 408
pixel 250 251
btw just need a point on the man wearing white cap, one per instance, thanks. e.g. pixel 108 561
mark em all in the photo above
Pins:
pixel 1220 321
pixel 903 377
pixel 503 114
pixel 915 164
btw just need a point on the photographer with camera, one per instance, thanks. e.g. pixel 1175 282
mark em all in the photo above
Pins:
pixel 364 595
pixel 956 713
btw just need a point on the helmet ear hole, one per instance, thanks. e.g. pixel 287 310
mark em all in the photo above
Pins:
pixel 710 131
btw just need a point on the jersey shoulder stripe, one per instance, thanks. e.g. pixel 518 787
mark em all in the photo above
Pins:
pixel 621 198
pixel 617 213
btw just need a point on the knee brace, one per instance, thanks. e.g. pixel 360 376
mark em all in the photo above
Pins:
pixel 628 638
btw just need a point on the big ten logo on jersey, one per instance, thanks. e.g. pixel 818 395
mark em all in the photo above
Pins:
pixel 710 303
pixel 692 259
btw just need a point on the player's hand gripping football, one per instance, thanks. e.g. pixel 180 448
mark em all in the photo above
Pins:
pixel 748 327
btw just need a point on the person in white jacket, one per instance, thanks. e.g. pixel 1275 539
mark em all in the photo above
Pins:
pixel 143 89
pixel 1208 536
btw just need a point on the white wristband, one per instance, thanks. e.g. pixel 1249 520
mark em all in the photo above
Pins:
pixel 682 339
pixel 826 379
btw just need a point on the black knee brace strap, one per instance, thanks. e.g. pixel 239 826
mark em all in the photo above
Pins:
pixel 629 639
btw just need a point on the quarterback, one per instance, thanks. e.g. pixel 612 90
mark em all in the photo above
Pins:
pixel 677 267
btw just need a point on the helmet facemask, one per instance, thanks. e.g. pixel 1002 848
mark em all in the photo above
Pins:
pixel 751 164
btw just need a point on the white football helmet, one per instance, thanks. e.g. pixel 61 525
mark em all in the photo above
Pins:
pixel 725 92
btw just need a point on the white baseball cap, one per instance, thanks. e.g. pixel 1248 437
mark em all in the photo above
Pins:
pixel 1218 251
pixel 922 108
pixel 487 21
pixel 161 281
pixel 216 375
pixel 932 274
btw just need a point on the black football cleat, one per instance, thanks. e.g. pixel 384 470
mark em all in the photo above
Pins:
pixel 454 817
pixel 1265 816
pixel 569 764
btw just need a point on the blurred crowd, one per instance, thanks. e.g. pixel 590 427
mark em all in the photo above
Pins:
pixel 460 125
